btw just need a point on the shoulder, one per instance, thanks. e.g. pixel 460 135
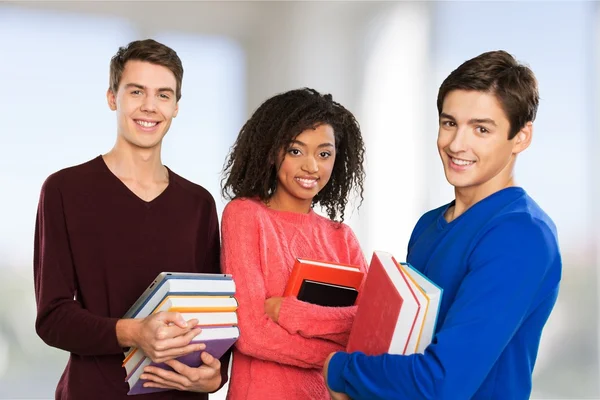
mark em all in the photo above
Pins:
pixel 521 235
pixel 426 220
pixel 71 176
pixel 193 189
pixel 243 207
pixel 334 228
pixel 523 218
pixel 431 216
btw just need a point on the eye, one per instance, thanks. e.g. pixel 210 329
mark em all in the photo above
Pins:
pixel 449 123
pixel 325 154
pixel 481 129
pixel 165 96
pixel 294 152
pixel 136 92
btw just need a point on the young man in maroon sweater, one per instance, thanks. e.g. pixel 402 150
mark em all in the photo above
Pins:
pixel 107 227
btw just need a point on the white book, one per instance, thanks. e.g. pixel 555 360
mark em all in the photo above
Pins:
pixel 418 331
pixel 169 283
pixel 434 295
pixel 193 303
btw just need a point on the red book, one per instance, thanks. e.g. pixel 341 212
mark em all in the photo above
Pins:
pixel 387 312
pixel 324 283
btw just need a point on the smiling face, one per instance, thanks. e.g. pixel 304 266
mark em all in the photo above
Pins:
pixel 306 167
pixel 145 104
pixel 473 143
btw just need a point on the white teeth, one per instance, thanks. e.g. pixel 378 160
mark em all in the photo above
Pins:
pixel 307 183
pixel 146 124
pixel 458 161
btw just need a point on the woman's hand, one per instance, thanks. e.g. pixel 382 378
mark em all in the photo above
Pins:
pixel 272 307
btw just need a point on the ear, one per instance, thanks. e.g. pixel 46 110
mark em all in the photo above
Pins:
pixel 176 109
pixel 111 99
pixel 522 139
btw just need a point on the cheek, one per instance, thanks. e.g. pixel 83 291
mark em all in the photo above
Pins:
pixel 168 111
pixel 286 168
pixel 327 169
pixel 442 140
pixel 126 108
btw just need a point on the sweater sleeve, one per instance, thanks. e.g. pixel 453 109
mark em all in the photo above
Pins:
pixel 507 272
pixel 260 337
pixel 62 321
pixel 331 323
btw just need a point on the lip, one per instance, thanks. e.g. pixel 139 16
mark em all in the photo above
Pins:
pixel 457 167
pixel 307 182
pixel 148 129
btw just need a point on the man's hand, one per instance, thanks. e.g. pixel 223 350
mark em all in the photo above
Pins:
pixel 206 378
pixel 272 307
pixel 334 395
pixel 166 335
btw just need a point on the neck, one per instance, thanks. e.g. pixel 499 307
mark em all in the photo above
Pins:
pixel 279 203
pixel 140 165
pixel 465 198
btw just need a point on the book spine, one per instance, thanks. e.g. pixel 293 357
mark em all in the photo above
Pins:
pixel 293 286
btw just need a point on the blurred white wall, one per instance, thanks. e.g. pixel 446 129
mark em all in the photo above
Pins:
pixel 382 60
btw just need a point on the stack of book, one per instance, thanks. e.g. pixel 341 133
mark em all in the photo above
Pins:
pixel 398 309
pixel 209 298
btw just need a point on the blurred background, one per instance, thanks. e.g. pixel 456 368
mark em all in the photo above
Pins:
pixel 382 60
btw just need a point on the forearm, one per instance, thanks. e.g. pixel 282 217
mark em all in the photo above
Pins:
pixel 69 327
pixel 127 331
pixel 385 377
pixel 313 321
pixel 268 341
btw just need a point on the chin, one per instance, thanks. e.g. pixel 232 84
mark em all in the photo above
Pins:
pixel 145 142
pixel 458 183
pixel 305 198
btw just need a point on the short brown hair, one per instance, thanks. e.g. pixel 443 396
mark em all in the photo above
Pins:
pixel 145 50
pixel 500 74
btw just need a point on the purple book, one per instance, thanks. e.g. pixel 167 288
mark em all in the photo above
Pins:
pixel 215 347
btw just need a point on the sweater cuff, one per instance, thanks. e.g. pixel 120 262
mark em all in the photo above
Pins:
pixel 292 314
pixel 335 370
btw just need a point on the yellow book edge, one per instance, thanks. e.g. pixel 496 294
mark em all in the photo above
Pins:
pixel 186 310
pixel 407 274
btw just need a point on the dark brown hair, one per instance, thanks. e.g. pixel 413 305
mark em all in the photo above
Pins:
pixel 251 167
pixel 498 73
pixel 145 50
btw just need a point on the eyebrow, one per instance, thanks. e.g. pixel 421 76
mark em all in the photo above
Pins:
pixel 472 121
pixel 138 86
pixel 319 146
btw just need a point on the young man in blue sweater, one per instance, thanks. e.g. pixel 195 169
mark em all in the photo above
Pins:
pixel 493 250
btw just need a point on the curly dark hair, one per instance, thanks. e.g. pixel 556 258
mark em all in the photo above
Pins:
pixel 250 169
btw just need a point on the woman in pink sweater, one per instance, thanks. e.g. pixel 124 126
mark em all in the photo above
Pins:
pixel 299 149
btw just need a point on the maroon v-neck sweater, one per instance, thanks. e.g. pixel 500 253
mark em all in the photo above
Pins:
pixel 97 247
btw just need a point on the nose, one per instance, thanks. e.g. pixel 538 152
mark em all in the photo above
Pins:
pixel 148 105
pixel 459 141
pixel 310 165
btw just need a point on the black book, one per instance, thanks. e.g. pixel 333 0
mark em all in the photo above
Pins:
pixel 327 294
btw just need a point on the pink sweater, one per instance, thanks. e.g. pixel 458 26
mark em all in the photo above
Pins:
pixel 259 245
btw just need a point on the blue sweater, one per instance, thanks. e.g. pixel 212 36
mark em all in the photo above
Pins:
pixel 500 266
